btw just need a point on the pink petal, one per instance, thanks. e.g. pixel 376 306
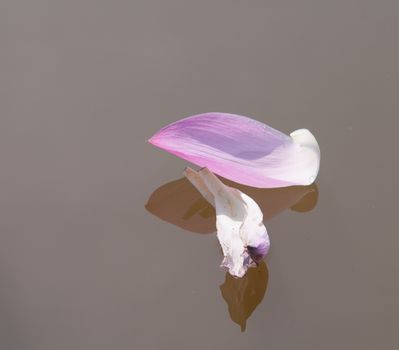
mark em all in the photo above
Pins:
pixel 243 150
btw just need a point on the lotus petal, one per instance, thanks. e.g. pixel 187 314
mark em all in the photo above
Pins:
pixel 243 150
pixel 239 222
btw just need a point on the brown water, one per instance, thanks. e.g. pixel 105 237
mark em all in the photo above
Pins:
pixel 101 249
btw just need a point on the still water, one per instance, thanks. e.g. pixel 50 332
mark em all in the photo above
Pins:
pixel 103 244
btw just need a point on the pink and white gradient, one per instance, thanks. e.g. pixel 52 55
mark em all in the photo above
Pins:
pixel 243 150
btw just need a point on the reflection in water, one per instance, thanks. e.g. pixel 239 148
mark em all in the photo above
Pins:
pixel 243 295
pixel 179 203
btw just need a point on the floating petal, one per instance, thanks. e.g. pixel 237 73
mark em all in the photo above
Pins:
pixel 239 222
pixel 243 150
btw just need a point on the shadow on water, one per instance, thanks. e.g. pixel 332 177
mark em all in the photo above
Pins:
pixel 179 203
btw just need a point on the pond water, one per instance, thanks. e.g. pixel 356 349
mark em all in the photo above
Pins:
pixel 104 244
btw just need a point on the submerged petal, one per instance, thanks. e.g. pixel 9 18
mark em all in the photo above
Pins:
pixel 243 150
pixel 239 222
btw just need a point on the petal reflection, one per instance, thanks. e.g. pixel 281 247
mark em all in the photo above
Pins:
pixel 243 295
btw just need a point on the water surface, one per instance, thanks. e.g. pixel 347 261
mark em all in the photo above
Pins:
pixel 92 256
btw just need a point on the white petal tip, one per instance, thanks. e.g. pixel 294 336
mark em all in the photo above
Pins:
pixel 305 139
